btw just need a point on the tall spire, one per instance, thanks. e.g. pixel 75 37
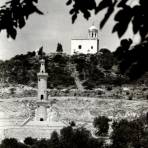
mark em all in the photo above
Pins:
pixel 42 68
pixel 42 82
pixel 41 114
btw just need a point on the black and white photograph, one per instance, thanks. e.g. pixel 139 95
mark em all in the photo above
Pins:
pixel 73 74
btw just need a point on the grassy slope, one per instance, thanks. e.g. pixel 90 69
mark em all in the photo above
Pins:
pixel 80 109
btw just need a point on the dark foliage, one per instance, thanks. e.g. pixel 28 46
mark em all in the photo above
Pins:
pixel 68 138
pixel 12 143
pixel 132 61
pixel 102 125
pixel 79 137
pixel 126 13
pixel 14 13
pixel 54 141
pixel 106 59
pixel 59 48
pixel 93 70
pixel 30 141
pixel 81 6
pixel 129 134
pixel 23 69
pixel 126 134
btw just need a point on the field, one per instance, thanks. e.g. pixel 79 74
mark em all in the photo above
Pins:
pixel 78 109
pixel 116 103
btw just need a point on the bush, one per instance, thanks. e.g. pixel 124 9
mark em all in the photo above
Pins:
pixel 30 141
pixel 89 85
pixel 130 97
pixel 109 88
pixel 11 143
pixel 79 138
pixel 102 125
pixel 129 134
pixel 54 141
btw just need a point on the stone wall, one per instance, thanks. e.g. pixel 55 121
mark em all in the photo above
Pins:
pixel 21 133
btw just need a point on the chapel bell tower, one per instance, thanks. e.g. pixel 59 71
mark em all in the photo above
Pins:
pixel 93 32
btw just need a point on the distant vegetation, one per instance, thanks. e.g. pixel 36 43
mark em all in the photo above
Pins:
pixel 102 125
pixel 104 67
pixel 68 138
pixel 126 134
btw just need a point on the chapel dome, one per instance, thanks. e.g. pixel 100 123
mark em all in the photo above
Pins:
pixel 93 28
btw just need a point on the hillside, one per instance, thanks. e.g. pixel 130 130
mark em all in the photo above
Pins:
pixel 127 101
pixel 78 109
pixel 92 70
pixel 124 92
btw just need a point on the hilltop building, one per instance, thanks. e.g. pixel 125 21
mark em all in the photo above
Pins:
pixel 86 46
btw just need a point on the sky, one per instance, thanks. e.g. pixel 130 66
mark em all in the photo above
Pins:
pixel 53 27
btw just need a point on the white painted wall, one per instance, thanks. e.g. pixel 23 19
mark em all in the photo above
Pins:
pixel 87 46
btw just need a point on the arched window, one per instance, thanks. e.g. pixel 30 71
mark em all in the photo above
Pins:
pixel 42 97
pixel 80 46
pixel 41 119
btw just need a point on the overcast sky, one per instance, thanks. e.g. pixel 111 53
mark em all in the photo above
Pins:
pixel 53 27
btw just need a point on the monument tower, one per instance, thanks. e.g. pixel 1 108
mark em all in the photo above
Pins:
pixel 41 113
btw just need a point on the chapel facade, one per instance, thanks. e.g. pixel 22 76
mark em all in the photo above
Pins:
pixel 86 46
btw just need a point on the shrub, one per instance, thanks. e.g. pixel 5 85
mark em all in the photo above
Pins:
pixel 102 125
pixel 30 141
pixel 109 88
pixel 11 143
pixel 129 134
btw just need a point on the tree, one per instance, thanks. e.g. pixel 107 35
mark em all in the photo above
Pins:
pixel 9 143
pixel 59 48
pixel 127 13
pixel 41 53
pixel 122 51
pixel 54 141
pixel 14 14
pixel 30 141
pixel 106 59
pixel 102 125
pixel 132 61
pixel 129 134
pixel 43 143
pixel 121 134
pixel 66 136
pixel 78 138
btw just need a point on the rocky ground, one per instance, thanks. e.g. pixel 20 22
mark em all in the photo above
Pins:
pixel 71 105
pixel 17 103
pixel 76 108
pixel 127 92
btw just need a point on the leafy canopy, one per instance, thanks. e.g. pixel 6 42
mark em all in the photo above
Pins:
pixel 14 13
pixel 126 13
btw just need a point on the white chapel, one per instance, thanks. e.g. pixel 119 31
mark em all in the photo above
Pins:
pixel 86 46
